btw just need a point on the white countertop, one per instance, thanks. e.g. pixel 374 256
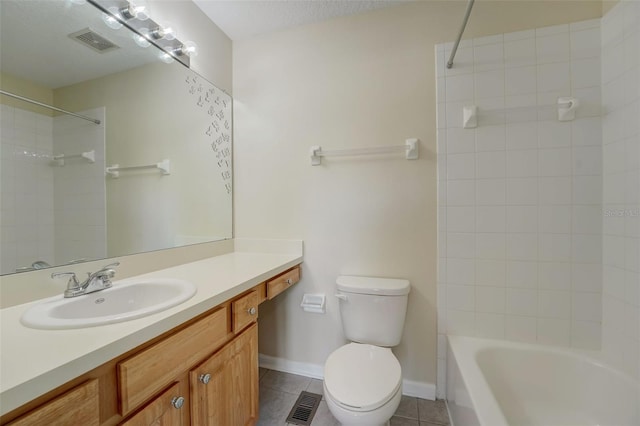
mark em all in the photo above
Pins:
pixel 33 362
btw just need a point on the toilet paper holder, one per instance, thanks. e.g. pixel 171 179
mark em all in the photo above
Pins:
pixel 313 303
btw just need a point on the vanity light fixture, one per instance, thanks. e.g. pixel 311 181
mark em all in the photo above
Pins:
pixel 163 31
pixel 118 13
pixel 128 12
pixel 131 11
pixel 188 49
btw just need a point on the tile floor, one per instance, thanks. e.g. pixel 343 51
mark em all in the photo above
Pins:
pixel 279 391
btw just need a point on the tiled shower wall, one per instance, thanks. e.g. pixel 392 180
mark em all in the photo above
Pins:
pixel 26 188
pixel 520 196
pixel 80 208
pixel 47 212
pixel 621 187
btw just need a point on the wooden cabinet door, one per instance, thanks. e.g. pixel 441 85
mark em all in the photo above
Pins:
pixel 244 370
pixel 224 389
pixel 162 411
pixel 79 406
pixel 146 373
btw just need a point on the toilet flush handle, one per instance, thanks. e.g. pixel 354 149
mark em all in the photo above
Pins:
pixel 342 297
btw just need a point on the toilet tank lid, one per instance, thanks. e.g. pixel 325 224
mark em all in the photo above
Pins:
pixel 373 285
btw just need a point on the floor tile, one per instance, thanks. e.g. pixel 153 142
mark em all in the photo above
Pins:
pixel 274 407
pixel 316 387
pixel 285 382
pixel 262 372
pixel 408 408
pixel 279 391
pixel 323 416
pixel 433 411
pixel 401 421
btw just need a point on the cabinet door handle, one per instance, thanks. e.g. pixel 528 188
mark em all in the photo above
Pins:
pixel 177 402
pixel 251 310
pixel 205 378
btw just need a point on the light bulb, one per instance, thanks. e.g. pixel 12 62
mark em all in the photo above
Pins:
pixel 128 12
pixel 111 19
pixel 142 10
pixel 189 48
pixel 163 31
pixel 141 13
pixel 142 39
pixel 166 58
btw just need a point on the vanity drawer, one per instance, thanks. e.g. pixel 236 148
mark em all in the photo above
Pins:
pixel 244 311
pixel 149 371
pixel 277 285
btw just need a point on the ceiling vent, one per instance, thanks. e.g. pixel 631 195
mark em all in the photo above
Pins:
pixel 95 41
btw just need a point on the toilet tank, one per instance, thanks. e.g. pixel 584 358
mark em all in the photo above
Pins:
pixel 373 309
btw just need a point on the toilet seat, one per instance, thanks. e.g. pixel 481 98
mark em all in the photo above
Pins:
pixel 362 377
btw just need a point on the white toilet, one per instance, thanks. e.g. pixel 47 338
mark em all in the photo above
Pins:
pixel 363 379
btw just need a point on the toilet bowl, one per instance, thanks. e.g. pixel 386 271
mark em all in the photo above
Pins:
pixel 363 379
pixel 362 384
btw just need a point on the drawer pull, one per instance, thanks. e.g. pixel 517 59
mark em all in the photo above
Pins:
pixel 251 310
pixel 205 378
pixel 289 281
pixel 177 402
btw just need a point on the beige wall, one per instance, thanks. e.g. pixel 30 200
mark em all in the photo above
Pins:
pixel 607 5
pixel 213 61
pixel 358 81
pixel 26 88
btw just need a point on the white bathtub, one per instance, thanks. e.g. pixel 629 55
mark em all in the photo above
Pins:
pixel 499 383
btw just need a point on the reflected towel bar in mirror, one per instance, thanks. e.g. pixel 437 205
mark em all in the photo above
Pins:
pixel 164 166
pixel 90 156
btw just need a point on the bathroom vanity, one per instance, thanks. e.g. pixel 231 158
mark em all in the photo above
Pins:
pixel 196 363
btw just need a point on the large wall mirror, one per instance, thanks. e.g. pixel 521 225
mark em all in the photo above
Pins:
pixel 155 173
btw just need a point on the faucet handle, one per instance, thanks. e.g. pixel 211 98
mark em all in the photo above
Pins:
pixel 111 265
pixel 73 280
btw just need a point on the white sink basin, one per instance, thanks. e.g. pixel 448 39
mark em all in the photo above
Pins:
pixel 122 302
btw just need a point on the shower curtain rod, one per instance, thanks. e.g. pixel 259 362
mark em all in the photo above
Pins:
pixel 464 25
pixel 22 98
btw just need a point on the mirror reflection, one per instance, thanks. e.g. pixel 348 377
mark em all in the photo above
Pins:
pixel 155 173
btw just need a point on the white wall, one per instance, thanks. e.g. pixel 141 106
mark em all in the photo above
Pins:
pixel 358 81
pixel 621 188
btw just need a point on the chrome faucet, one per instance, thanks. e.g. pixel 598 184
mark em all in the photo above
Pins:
pixel 95 281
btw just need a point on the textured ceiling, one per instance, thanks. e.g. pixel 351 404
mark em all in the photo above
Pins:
pixel 36 46
pixel 245 19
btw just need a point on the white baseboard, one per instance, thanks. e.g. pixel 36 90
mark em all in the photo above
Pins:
pixel 409 387
pixel 306 369
pixel 422 390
